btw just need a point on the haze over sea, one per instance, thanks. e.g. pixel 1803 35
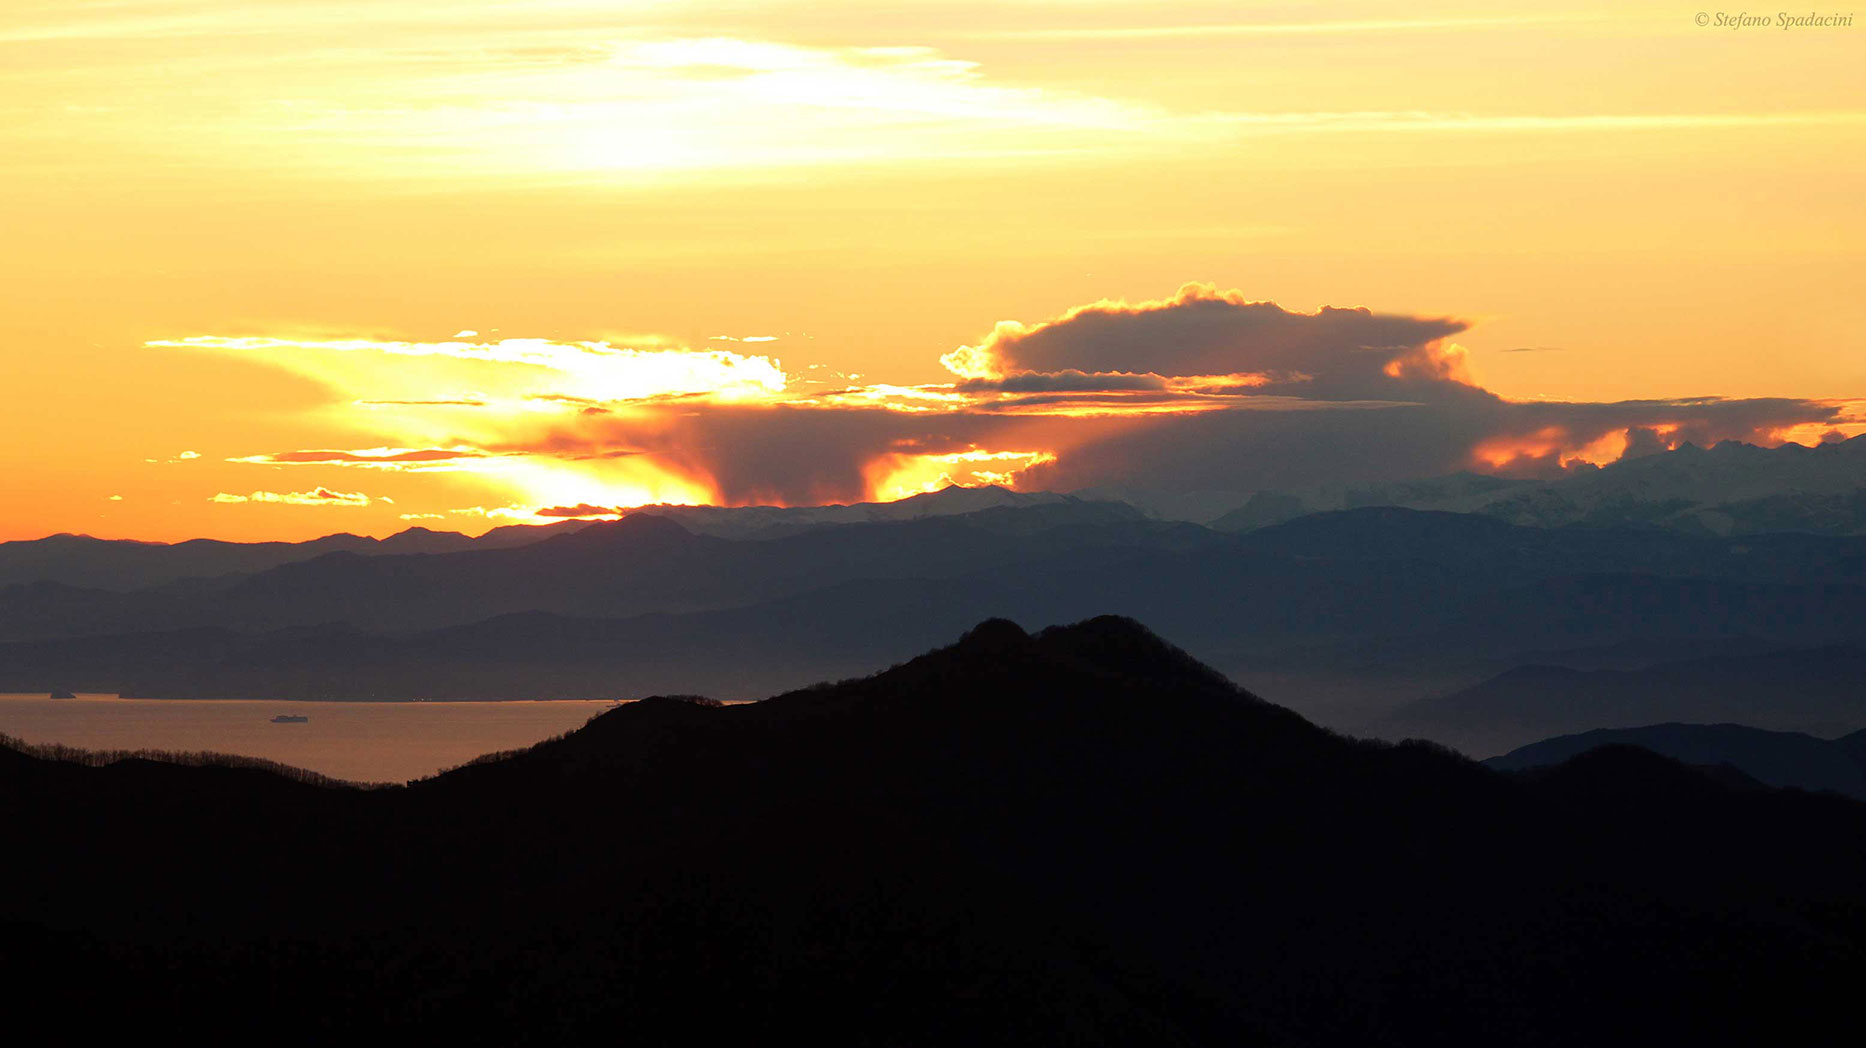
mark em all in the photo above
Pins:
pixel 359 741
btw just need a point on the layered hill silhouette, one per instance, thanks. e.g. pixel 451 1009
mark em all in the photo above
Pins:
pixel 735 653
pixel 1500 627
pixel 1731 489
pixel 121 565
pixel 642 563
pixel 631 607
pixel 1775 758
pixel 769 522
pixel 1082 834
pixel 1820 691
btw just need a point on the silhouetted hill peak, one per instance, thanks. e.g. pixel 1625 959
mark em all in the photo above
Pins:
pixel 1118 644
pixel 1790 759
pixel 1056 682
pixel 993 636
pixel 635 529
pixel 1015 838
pixel 1622 774
pixel 1000 654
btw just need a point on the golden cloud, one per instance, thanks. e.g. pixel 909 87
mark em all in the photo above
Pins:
pixel 314 497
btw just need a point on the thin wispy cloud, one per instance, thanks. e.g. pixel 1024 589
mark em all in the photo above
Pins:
pixel 463 100
pixel 314 497
pixel 595 370
pixel 571 90
pixel 1516 123
pixel 407 460
pixel 170 20
pixel 1270 28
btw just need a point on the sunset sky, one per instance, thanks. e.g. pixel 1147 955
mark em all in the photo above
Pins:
pixel 279 270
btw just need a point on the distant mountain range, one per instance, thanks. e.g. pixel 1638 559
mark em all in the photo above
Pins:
pixel 1081 834
pixel 1730 489
pixel 1776 758
pixel 642 605
pixel 640 564
pixel 1456 626
pixel 1348 614
pixel 121 565
pixel 1821 691
pixel 768 522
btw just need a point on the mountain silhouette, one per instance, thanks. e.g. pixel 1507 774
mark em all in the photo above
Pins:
pixel 1078 834
pixel 1775 758
pixel 837 632
pixel 1814 690
pixel 1732 489
pixel 769 522
pixel 642 563
pixel 1378 605
pixel 120 565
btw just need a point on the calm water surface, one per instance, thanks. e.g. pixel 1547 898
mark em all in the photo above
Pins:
pixel 361 741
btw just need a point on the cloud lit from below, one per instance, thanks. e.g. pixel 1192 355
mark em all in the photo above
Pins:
pixel 1203 390
pixel 314 497
pixel 899 476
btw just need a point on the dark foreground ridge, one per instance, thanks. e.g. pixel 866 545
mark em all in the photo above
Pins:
pixel 1078 836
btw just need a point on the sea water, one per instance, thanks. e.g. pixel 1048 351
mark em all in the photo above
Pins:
pixel 359 741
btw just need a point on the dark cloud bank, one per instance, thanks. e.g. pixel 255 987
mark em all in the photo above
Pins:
pixel 1205 390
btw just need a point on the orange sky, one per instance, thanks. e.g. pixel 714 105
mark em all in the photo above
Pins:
pixel 236 230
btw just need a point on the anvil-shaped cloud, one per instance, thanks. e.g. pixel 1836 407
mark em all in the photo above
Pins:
pixel 1203 390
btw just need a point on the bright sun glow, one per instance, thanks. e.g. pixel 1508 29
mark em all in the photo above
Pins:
pixel 541 484
pixel 894 477
pixel 594 371
pixel 490 258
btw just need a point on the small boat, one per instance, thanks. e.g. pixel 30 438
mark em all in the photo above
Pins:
pixel 63 695
pixel 289 718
